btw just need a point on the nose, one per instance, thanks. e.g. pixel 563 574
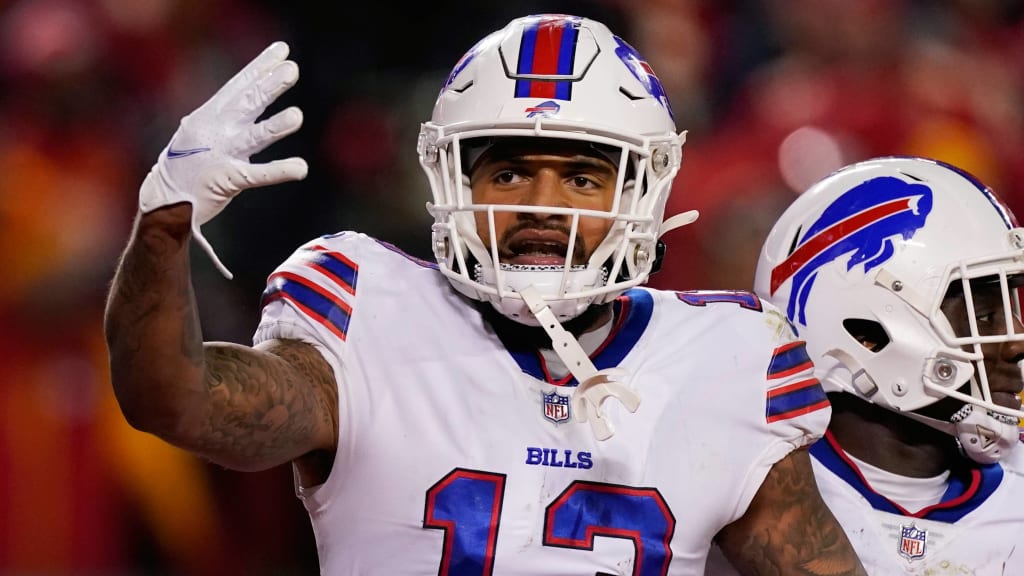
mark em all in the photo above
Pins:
pixel 1012 350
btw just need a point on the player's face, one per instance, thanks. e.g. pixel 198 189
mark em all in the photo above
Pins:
pixel 561 174
pixel 1001 359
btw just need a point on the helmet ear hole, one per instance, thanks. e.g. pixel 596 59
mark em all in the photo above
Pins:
pixel 870 334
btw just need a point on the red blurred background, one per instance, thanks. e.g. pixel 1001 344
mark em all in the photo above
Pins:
pixel 774 94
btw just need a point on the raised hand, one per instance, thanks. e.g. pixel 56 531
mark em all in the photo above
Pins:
pixel 207 162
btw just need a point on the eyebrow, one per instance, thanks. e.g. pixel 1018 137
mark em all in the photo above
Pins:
pixel 578 161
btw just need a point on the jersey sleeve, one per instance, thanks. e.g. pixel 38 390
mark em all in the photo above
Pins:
pixel 743 395
pixel 311 297
pixel 796 406
pixel 794 410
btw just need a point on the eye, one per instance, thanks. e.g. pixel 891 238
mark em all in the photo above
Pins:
pixel 584 182
pixel 506 177
pixel 581 181
pixel 990 315
pixel 985 318
pixel 988 306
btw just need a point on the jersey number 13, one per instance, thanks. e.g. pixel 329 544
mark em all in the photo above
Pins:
pixel 466 505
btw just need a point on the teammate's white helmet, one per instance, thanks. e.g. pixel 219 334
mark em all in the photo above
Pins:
pixel 551 76
pixel 878 244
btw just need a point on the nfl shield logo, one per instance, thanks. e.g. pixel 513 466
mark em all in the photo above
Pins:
pixel 556 407
pixel 912 542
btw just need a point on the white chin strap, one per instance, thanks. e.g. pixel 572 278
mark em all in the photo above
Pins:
pixel 983 436
pixel 594 386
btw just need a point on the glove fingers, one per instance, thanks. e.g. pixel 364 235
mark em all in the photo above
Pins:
pixel 280 78
pixel 252 72
pixel 275 172
pixel 244 97
pixel 254 98
pixel 265 133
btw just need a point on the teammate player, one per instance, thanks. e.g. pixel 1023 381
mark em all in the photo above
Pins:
pixel 902 276
pixel 545 416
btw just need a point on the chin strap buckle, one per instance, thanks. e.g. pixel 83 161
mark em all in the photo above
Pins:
pixel 594 386
pixel 592 392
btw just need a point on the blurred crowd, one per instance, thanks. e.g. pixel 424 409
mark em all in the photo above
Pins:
pixel 774 94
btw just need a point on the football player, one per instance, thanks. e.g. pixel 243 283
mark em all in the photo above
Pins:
pixel 520 405
pixel 901 274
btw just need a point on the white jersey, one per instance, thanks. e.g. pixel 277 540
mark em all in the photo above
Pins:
pixel 975 530
pixel 458 456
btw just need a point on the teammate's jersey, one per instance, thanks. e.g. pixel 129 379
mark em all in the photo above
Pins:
pixel 457 456
pixel 975 530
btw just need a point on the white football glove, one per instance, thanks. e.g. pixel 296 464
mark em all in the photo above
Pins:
pixel 207 163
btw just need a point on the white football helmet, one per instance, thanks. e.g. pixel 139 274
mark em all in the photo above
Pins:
pixel 880 242
pixel 564 77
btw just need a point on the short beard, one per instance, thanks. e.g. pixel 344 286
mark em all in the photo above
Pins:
pixel 518 336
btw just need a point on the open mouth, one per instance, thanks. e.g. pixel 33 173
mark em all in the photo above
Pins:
pixel 538 254
pixel 1007 400
pixel 536 248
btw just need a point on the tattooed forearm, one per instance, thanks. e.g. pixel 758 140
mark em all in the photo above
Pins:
pixel 151 323
pixel 155 255
pixel 269 406
pixel 237 406
pixel 788 529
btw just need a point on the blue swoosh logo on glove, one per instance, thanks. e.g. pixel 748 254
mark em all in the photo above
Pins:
pixel 172 153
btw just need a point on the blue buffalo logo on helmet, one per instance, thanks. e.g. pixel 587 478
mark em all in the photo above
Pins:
pixel 643 72
pixel 466 59
pixel 545 108
pixel 863 221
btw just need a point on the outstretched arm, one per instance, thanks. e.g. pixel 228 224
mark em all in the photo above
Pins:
pixel 788 529
pixel 244 408
pixel 241 407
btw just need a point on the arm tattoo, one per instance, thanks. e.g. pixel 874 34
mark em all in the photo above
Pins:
pixel 788 529
pixel 153 281
pixel 268 406
pixel 151 322
pixel 240 407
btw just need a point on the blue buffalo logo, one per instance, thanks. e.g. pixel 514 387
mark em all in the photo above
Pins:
pixel 862 223
pixel 546 108
pixel 463 62
pixel 643 72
